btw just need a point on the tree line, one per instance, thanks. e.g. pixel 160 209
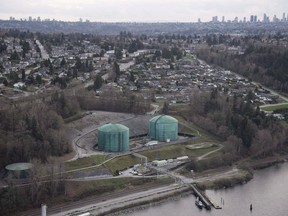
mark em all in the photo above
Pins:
pixel 246 129
pixel 35 129
pixel 113 100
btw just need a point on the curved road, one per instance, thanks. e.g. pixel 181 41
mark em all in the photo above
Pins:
pixel 76 141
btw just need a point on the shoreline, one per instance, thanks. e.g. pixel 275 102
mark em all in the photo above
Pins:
pixel 152 203
pixel 162 194
pixel 129 201
pixel 172 197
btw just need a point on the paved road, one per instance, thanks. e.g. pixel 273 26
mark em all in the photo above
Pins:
pixel 273 92
pixel 101 200
pixel 156 109
pixel 44 53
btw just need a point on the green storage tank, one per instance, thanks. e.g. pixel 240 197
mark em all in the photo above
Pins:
pixel 113 138
pixel 163 128
pixel 19 170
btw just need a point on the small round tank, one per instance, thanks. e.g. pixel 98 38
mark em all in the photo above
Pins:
pixel 19 170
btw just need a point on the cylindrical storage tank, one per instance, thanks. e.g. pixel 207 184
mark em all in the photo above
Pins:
pixel 19 170
pixel 163 128
pixel 113 138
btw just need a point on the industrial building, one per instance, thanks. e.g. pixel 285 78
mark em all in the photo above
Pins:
pixel 19 170
pixel 182 158
pixel 159 163
pixel 113 138
pixel 163 128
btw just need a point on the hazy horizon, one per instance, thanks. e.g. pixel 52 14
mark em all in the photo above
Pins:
pixel 141 11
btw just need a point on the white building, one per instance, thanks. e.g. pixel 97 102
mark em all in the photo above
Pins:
pixel 159 163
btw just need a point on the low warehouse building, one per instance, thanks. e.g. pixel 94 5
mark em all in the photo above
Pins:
pixel 159 163
pixel 183 158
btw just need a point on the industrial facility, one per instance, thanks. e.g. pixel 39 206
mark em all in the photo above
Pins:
pixel 113 138
pixel 163 128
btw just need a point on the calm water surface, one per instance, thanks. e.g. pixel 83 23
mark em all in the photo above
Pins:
pixel 267 191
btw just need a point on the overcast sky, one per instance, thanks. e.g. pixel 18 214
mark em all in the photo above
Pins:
pixel 141 10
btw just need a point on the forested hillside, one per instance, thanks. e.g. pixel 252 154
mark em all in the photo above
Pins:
pixel 247 130
pixel 261 59
pixel 35 129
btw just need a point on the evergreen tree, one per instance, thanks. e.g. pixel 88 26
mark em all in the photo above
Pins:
pixel 63 62
pixel 23 75
pixel 98 82
pixel 116 71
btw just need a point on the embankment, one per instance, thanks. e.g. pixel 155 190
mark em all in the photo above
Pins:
pixel 241 178
pixel 142 205
pixel 140 201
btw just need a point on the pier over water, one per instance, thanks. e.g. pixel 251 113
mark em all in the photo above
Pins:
pixel 261 192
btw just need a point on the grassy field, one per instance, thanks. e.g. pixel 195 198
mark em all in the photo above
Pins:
pixel 175 151
pixel 179 107
pixel 200 152
pixel 83 189
pixel 85 162
pixel 275 107
pixel 159 102
pixel 188 57
pixel 122 163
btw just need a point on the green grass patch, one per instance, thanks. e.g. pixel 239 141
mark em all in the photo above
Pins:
pixel 85 162
pixel 175 151
pixel 159 102
pixel 122 163
pixel 275 107
pixel 198 146
pixel 179 108
pixel 83 189
pixel 200 152
pixel 84 171
pixel 166 152
pixel 188 57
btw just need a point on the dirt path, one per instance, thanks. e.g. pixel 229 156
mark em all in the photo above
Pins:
pixel 156 109
pixel 211 152
pixel 214 176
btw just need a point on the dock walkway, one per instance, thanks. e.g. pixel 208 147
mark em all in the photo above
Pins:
pixel 204 199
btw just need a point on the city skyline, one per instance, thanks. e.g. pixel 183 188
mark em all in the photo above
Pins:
pixel 140 11
pixel 214 19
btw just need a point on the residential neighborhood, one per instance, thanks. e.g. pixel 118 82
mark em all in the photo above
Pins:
pixel 28 66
